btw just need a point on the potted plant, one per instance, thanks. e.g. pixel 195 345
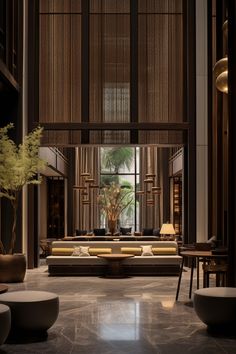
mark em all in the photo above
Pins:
pixel 113 199
pixel 18 167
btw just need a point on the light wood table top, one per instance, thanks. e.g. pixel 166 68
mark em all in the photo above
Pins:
pixel 3 288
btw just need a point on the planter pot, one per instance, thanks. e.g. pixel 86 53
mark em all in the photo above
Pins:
pixel 12 268
pixel 112 224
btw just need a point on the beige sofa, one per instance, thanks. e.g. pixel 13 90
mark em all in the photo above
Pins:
pixel 164 261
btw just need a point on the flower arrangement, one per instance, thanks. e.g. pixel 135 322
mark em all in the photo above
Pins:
pixel 113 199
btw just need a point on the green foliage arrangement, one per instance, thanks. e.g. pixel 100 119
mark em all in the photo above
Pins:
pixel 114 158
pixel 113 199
pixel 18 167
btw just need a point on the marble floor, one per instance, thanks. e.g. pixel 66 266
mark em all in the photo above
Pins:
pixel 135 315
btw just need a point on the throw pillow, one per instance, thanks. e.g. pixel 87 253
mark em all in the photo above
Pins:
pixel 80 232
pixel 147 250
pixel 125 230
pixel 99 232
pixel 76 251
pixel 81 251
pixel 148 232
pixel 156 232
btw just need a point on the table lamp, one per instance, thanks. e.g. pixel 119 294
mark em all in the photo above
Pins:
pixel 168 230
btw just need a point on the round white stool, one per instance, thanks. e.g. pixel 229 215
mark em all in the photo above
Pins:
pixel 5 320
pixel 31 311
pixel 216 307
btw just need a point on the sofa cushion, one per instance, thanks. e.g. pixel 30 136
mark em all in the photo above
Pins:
pixel 68 260
pixel 94 251
pixel 125 230
pixel 156 232
pixel 80 232
pixel 62 251
pixel 81 251
pixel 147 232
pixel 99 232
pixel 146 250
pixel 155 260
pixel 164 250
pixel 114 245
pixel 132 250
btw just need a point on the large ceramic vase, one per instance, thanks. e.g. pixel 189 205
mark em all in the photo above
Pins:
pixel 12 268
pixel 112 224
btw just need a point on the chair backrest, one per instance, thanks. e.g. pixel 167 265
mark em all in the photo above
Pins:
pixel 202 246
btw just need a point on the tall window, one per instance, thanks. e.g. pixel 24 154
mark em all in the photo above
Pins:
pixel 121 166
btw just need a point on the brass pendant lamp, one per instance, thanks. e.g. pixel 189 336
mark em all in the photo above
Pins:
pixel 221 67
pixel 150 190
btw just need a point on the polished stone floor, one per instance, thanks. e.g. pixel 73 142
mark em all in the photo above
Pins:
pixel 135 315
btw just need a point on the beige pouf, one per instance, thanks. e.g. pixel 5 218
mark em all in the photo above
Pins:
pixel 31 311
pixel 5 322
pixel 216 307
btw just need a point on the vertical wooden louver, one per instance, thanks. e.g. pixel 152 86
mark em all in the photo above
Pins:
pixel 158 87
pixel 60 61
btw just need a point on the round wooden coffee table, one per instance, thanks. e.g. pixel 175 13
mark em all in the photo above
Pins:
pixel 3 288
pixel 114 264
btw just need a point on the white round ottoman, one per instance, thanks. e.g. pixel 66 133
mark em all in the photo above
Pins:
pixel 216 307
pixel 31 311
pixel 5 321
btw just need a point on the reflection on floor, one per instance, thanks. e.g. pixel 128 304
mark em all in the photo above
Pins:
pixel 133 315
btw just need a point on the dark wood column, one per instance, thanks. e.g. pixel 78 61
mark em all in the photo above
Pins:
pixel 190 114
pixel 134 69
pixel 85 71
pixel 210 113
pixel 32 227
pixel 33 63
pixel 231 222
pixel 70 196
pixel 219 55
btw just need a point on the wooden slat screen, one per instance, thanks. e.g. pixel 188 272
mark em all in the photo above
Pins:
pixel 109 68
pixel 160 64
pixel 160 68
pixel 60 62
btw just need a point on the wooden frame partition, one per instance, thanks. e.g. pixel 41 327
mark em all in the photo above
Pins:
pixel 185 124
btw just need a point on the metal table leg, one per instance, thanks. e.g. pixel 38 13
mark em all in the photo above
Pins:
pixel 179 281
pixel 191 279
pixel 197 260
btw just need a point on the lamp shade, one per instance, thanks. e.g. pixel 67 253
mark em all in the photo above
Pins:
pixel 167 229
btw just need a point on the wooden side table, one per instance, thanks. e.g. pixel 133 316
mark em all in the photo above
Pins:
pixel 205 257
pixel 114 264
